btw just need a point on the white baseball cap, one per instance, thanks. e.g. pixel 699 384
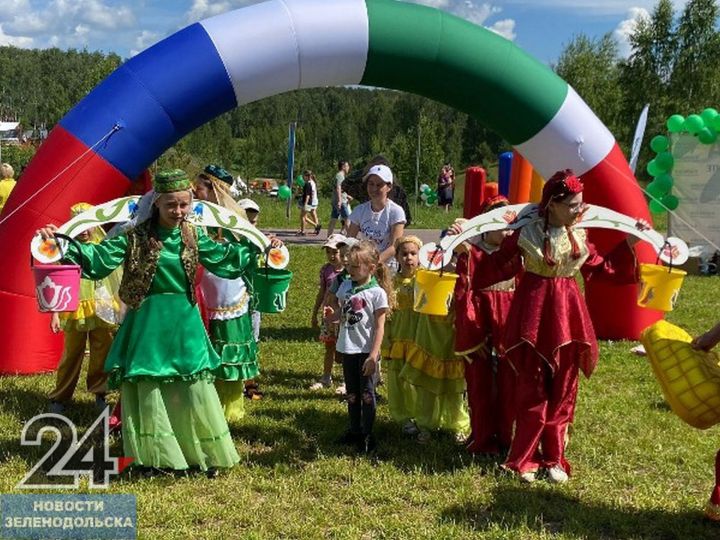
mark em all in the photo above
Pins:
pixel 248 204
pixel 335 240
pixel 348 241
pixel 383 171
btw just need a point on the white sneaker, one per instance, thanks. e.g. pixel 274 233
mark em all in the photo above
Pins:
pixel 557 475
pixel 528 477
pixel 322 383
pixel 410 428
pixel 340 390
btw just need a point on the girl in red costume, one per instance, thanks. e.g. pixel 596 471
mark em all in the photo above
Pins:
pixel 480 316
pixel 548 336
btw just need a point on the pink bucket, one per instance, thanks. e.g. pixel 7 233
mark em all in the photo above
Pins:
pixel 57 286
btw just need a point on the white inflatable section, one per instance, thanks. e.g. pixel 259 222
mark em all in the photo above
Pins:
pixel 574 139
pixel 283 45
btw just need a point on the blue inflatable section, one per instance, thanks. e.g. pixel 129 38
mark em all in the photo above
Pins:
pixel 504 167
pixel 156 98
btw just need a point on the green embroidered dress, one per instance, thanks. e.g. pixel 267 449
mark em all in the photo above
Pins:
pixel 163 360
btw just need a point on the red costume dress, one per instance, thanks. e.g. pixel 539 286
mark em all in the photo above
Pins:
pixel 479 319
pixel 548 334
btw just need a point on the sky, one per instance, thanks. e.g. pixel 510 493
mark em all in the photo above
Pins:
pixel 127 27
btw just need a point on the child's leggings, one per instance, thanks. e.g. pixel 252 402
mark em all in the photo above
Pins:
pixel 360 393
pixel 68 371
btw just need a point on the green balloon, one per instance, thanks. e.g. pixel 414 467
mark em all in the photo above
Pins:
pixel 707 136
pixel 665 161
pixel 653 168
pixel 656 190
pixel 694 123
pixel 663 183
pixel 427 190
pixel 659 143
pixel 671 201
pixel 675 123
pixel 300 181
pixel 709 115
pixel 715 124
pixel 656 207
pixel 284 193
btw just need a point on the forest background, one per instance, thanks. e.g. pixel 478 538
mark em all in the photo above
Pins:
pixel 672 66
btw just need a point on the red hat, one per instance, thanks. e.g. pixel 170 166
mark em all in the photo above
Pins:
pixel 562 184
pixel 491 203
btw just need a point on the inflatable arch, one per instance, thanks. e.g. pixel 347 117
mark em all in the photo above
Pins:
pixel 210 67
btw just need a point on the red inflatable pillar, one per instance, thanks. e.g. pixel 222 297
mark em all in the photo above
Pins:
pixel 614 310
pixel 475 178
pixel 520 179
pixel 492 189
pixel 61 174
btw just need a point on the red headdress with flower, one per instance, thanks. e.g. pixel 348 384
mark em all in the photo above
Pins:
pixel 562 184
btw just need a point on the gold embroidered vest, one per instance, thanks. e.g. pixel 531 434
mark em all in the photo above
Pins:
pixel 141 259
pixel 531 241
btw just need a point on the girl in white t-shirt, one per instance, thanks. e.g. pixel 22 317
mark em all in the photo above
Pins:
pixel 379 220
pixel 361 304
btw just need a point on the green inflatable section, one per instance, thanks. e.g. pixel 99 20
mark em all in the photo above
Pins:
pixel 431 53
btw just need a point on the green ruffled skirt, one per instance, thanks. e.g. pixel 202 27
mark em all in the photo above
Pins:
pixel 175 425
pixel 233 341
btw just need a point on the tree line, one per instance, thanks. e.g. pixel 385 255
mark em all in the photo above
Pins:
pixel 672 67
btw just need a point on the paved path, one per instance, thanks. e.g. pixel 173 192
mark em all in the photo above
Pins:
pixel 290 236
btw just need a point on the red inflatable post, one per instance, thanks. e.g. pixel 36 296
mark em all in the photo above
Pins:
pixel 61 174
pixel 615 313
pixel 474 191
pixel 492 189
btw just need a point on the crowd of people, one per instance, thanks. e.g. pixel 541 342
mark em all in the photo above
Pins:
pixel 500 372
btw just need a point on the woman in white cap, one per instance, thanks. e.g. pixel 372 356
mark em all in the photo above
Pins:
pixel 379 220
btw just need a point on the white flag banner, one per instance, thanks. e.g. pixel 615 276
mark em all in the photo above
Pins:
pixel 697 185
pixel 638 138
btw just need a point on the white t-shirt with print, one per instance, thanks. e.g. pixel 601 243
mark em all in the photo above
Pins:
pixel 357 317
pixel 377 226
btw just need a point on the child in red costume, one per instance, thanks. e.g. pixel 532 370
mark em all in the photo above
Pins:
pixel 479 319
pixel 706 342
pixel 548 336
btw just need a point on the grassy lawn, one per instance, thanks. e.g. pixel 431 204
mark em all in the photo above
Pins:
pixel 639 472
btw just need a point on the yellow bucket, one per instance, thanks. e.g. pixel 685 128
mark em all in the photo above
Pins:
pixel 690 379
pixel 659 286
pixel 434 292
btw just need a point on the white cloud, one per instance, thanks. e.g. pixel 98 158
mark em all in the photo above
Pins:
pixel 15 41
pixel 202 9
pixel 626 27
pixel 65 23
pixel 10 8
pixel 143 40
pixel 595 7
pixel 506 28
pixel 475 13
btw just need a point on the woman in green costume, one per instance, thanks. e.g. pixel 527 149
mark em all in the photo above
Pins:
pixel 162 359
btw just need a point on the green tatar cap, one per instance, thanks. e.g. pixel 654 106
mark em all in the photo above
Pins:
pixel 170 181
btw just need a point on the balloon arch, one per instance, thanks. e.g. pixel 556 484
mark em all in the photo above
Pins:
pixel 182 82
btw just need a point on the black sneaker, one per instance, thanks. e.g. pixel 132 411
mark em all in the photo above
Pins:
pixel 368 444
pixel 349 438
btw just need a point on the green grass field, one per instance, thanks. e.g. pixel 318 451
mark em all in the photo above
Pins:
pixel 639 472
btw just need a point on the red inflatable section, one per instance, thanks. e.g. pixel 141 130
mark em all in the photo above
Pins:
pixel 28 344
pixel 614 310
pixel 475 178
